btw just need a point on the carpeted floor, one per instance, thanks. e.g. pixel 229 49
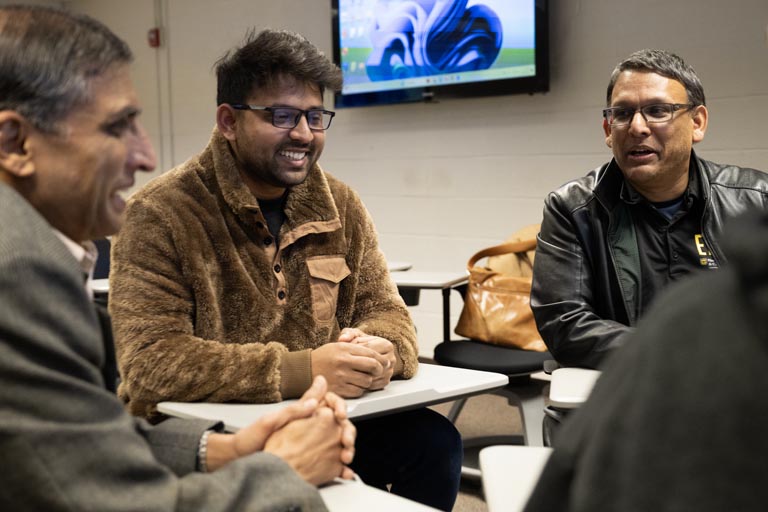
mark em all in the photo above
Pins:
pixel 483 415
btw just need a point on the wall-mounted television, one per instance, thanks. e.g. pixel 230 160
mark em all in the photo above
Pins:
pixel 393 51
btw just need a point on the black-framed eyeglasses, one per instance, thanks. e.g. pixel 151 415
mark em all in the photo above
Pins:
pixel 656 113
pixel 289 117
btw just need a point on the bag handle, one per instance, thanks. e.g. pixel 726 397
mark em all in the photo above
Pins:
pixel 497 250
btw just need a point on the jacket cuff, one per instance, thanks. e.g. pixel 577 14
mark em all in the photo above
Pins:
pixel 398 364
pixel 175 441
pixel 295 373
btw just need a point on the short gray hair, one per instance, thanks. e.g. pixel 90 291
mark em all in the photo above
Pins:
pixel 663 63
pixel 48 58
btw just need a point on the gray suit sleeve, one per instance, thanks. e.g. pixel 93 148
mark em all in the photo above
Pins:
pixel 175 442
pixel 67 442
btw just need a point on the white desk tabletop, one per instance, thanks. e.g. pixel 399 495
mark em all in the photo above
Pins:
pixel 355 496
pixel 100 285
pixel 510 474
pixel 571 386
pixel 433 280
pixel 399 266
pixel 432 384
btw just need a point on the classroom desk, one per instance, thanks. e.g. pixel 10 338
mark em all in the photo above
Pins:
pixel 571 387
pixel 510 474
pixel 412 282
pixel 100 286
pixel 431 385
pixel 353 496
pixel 399 266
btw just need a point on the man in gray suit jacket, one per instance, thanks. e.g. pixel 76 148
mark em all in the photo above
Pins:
pixel 70 143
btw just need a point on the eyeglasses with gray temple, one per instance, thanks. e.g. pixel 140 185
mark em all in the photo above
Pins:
pixel 289 117
pixel 655 113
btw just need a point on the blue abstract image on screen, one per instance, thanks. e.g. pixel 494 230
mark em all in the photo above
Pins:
pixel 428 37
pixel 389 45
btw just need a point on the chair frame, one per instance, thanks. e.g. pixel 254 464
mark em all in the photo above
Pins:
pixel 524 392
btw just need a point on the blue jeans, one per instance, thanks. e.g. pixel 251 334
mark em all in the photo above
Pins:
pixel 419 453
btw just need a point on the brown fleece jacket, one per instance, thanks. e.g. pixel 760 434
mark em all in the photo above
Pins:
pixel 206 307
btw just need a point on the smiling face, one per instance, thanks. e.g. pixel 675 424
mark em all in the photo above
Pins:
pixel 76 176
pixel 272 159
pixel 654 157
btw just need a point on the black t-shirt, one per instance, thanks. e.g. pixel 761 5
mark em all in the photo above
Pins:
pixel 669 238
pixel 274 213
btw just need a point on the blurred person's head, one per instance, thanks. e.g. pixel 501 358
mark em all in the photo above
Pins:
pixel 70 141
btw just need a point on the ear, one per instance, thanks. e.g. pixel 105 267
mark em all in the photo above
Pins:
pixel 700 120
pixel 607 130
pixel 15 158
pixel 226 120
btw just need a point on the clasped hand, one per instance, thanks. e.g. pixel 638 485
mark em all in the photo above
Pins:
pixel 357 363
pixel 314 436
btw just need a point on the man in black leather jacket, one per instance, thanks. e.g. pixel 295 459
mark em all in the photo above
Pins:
pixel 611 240
pixel 677 420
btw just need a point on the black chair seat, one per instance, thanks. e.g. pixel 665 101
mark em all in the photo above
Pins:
pixel 477 355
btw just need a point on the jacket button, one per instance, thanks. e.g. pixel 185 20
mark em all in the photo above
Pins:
pixel 278 268
pixel 281 295
pixel 267 241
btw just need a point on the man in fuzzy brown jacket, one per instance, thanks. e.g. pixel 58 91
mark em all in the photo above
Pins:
pixel 247 270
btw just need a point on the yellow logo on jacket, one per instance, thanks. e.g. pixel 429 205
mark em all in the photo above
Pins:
pixel 705 256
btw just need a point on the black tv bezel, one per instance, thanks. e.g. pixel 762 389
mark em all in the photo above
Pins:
pixel 520 85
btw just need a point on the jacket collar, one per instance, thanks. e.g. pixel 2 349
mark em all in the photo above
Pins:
pixel 309 207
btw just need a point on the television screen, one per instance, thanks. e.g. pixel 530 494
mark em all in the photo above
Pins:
pixel 419 50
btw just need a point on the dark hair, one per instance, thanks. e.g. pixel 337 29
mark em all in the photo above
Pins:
pixel 48 58
pixel 267 57
pixel 662 63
